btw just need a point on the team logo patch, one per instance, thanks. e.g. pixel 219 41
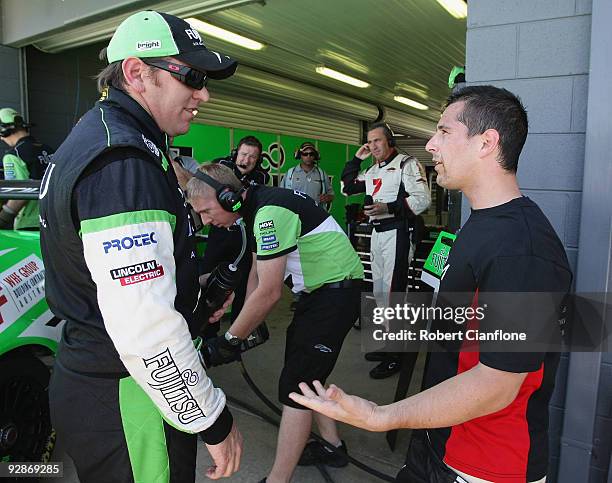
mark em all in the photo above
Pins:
pixel 268 238
pixel 140 272
pixel 266 225
pixel 45 157
pixel 151 145
pixel 148 45
pixel 269 246
pixel 129 242
pixel 172 384
pixel 194 35
pixel 190 377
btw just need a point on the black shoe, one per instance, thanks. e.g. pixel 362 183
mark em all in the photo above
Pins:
pixel 385 369
pixel 264 480
pixel 376 356
pixel 315 453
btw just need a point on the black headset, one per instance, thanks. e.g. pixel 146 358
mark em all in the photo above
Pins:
pixel 229 199
pixel 298 153
pixel 386 130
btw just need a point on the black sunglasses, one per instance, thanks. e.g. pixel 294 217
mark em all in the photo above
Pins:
pixel 308 153
pixel 196 79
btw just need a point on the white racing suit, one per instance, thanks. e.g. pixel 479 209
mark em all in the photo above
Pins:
pixel 399 181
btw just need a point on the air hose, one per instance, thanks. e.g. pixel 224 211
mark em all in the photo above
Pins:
pixel 314 436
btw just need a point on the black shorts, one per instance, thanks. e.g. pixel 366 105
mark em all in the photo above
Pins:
pixel 423 465
pixel 315 336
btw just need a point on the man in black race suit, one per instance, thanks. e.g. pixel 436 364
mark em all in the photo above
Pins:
pixel 129 394
pixel 483 414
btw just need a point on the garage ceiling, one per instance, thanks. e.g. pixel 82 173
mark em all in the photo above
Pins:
pixel 400 47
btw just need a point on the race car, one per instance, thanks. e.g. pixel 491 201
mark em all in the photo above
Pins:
pixel 29 335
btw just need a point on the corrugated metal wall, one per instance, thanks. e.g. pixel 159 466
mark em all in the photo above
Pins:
pixel 250 113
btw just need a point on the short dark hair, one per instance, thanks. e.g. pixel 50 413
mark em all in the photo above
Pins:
pixel 490 107
pixel 386 130
pixel 250 141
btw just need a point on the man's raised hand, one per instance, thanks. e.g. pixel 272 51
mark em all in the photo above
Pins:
pixel 336 404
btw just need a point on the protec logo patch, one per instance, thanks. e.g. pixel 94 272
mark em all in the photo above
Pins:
pixel 129 242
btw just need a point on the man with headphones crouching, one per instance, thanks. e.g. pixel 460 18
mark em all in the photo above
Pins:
pixel 224 244
pixel 295 241
pixel 308 177
pixel 398 192
pixel 27 159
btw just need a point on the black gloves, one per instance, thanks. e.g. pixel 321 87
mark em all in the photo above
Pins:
pixel 7 217
pixel 218 351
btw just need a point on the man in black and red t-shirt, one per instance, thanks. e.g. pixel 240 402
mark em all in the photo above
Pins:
pixel 483 414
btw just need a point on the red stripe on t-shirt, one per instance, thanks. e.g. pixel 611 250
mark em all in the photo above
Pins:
pixel 494 447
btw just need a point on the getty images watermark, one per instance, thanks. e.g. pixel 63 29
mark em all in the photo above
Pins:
pixel 497 322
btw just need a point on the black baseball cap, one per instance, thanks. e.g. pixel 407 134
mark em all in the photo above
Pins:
pixel 156 34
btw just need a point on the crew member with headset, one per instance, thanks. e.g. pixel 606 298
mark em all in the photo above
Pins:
pixel 397 191
pixel 224 244
pixel 293 240
pixel 308 177
pixel 27 159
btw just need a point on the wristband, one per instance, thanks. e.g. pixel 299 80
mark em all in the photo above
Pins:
pixel 219 430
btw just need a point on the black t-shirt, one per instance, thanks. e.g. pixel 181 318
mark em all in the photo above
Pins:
pixel 507 248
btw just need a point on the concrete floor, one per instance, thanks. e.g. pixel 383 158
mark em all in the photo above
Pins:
pixel 264 365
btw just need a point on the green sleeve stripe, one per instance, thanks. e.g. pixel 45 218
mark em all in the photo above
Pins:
pixel 164 161
pixel 124 219
pixel 108 143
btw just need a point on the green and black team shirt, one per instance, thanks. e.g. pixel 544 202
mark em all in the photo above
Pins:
pixel 28 159
pixel 287 222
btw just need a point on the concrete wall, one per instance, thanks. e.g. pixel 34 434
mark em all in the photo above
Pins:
pixel 540 51
pixel 61 89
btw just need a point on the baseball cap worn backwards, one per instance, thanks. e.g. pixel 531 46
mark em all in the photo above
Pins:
pixel 157 34
pixel 8 115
